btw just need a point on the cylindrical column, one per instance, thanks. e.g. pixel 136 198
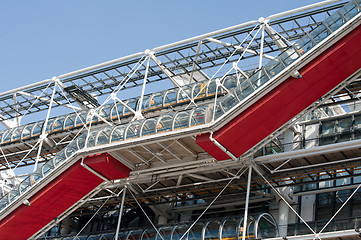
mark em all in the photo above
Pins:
pixel 283 211
pixel 120 213
pixel 245 218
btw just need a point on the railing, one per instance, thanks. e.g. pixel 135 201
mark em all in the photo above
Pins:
pixel 335 225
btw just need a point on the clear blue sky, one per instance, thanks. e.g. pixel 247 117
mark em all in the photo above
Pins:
pixel 40 39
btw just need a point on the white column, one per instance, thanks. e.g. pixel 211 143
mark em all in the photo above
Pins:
pixel 283 212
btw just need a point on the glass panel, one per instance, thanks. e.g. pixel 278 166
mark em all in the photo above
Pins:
pixel 156 101
pixel 199 90
pixel 25 185
pixel 92 138
pixel 80 141
pixel 357 124
pixel 15 135
pixel 229 100
pixel 117 111
pixel 165 232
pixel 13 194
pixel 287 57
pixel 344 129
pixel 37 129
pixel 304 44
pixel 212 87
pixel 328 128
pixel 229 229
pixel 94 237
pixel 117 134
pixel 259 78
pixel 274 67
pixel 36 177
pixel 103 136
pixel 170 97
pixel 230 82
pixel 4 202
pixel 178 232
pixel 50 125
pixel 181 120
pixel 349 10
pixel 198 116
pixel 47 167
pixel 149 234
pixel 121 236
pixel 105 111
pixel 71 149
pixel 184 94
pixel 211 231
pixel 219 111
pixel 196 232
pixel 26 131
pixel 58 124
pixel 80 120
pixel 148 127
pixel 145 103
pixel 132 103
pixel 6 137
pixel 245 89
pixel 165 123
pixel 334 21
pixel 250 228
pixel 69 121
pixel 59 158
pixel 319 33
pixel 133 130
pixel 266 227
pixel 134 235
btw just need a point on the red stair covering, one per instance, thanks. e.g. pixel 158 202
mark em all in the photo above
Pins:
pixel 288 99
pixel 59 195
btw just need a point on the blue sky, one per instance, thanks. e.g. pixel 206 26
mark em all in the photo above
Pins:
pixel 40 39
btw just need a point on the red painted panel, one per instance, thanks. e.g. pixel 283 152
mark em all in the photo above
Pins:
pixel 203 141
pixel 107 166
pixel 284 102
pixel 60 194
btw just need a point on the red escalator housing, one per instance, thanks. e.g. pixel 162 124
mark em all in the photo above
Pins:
pixel 284 102
pixel 59 195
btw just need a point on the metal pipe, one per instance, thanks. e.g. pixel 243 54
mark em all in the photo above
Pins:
pixel 219 145
pixel 120 213
pixel 333 189
pixel 139 110
pixel 317 165
pixel 337 147
pixel 245 218
pixel 104 64
pixel 93 171
pixel 301 9
pixel 261 50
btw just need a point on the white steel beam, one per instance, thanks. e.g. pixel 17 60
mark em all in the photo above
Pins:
pixel 43 99
pixel 247 50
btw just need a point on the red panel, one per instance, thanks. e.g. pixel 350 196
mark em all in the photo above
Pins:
pixel 203 141
pixel 107 166
pixel 291 97
pixel 60 194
